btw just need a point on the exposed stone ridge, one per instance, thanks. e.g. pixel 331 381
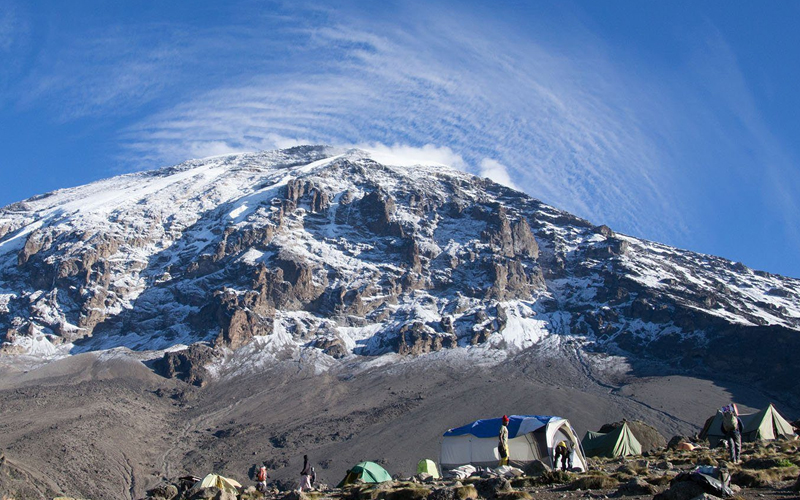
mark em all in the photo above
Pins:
pixel 311 248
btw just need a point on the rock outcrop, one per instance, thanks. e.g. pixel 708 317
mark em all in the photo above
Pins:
pixel 319 249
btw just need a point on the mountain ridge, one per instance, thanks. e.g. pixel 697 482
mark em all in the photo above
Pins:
pixel 326 253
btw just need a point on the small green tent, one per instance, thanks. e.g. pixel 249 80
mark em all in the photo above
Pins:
pixel 618 443
pixel 428 466
pixel 369 472
pixel 766 424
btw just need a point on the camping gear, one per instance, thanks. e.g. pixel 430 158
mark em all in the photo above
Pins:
pixel 729 423
pixel 732 408
pixel 713 479
pixel 462 472
pixel 223 483
pixel 618 443
pixel 506 471
pixel 647 435
pixel 766 424
pixel 368 472
pixel 530 437
pixel 427 466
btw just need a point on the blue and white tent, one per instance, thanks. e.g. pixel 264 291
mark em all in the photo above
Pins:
pixel 530 437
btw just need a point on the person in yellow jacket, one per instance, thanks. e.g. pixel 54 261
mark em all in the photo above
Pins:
pixel 563 452
pixel 502 446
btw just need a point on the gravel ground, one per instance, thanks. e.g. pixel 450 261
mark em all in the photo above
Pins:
pixel 101 428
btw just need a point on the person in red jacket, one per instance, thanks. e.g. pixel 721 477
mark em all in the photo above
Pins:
pixel 502 445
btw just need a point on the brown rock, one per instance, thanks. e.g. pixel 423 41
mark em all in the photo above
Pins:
pixel 419 338
pixel 187 365
pixel 681 490
pixel 377 209
pixel 636 486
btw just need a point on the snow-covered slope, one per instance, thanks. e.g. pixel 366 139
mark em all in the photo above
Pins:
pixel 332 256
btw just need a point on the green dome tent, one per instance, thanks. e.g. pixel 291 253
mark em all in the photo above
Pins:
pixel 617 443
pixel 766 424
pixel 369 472
pixel 428 466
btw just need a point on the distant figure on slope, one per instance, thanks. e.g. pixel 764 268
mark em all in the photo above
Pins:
pixel 502 446
pixel 732 429
pixel 305 475
pixel 563 452
pixel 261 477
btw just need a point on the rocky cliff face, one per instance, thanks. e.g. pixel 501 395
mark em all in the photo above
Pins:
pixel 334 255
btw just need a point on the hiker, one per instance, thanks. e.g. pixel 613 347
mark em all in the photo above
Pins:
pixel 305 475
pixel 502 446
pixel 261 477
pixel 732 429
pixel 564 452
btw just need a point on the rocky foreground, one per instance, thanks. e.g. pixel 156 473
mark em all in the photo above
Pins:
pixel 770 471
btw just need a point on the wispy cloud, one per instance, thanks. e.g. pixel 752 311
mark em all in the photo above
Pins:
pixel 11 28
pixel 103 73
pixel 555 125
pixel 647 139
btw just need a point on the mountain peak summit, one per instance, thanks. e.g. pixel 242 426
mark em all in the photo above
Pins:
pixel 334 255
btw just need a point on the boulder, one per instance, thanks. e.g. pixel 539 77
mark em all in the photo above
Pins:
pixel 468 492
pixel 226 495
pixel 490 488
pixel 164 491
pixel 682 490
pixel 295 495
pixel 536 468
pixel 187 365
pixel 203 493
pixel 675 441
pixel 636 486
pixel 443 494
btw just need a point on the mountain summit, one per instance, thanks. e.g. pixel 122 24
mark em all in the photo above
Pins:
pixel 332 257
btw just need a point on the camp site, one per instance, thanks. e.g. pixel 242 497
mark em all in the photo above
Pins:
pixel 621 459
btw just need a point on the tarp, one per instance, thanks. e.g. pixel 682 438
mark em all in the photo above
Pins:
pixel 530 437
pixel 766 424
pixel 427 466
pixel 618 443
pixel 223 483
pixel 490 427
pixel 369 472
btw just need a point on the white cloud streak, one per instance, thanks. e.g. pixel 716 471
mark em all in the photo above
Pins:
pixel 555 126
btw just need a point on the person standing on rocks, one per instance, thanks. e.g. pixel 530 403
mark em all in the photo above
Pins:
pixel 261 478
pixel 502 446
pixel 732 429
pixel 305 475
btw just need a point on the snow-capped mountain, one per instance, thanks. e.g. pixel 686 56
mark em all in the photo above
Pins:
pixel 333 256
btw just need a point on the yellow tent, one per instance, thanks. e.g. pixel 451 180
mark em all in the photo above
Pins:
pixel 223 483
pixel 428 466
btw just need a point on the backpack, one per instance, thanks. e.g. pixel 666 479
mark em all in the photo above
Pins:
pixel 262 474
pixel 729 421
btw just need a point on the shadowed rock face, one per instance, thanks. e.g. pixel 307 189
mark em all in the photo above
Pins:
pixel 342 255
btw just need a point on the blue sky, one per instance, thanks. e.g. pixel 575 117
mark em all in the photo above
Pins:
pixel 673 121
